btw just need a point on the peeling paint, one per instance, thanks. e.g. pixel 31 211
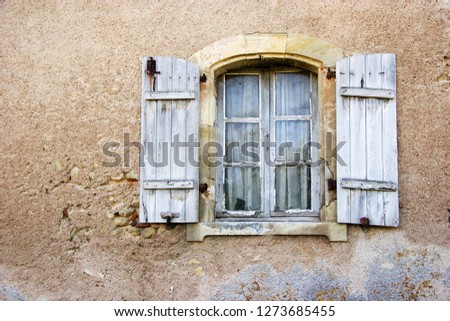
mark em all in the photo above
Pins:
pixel 9 293
pixel 400 274
pixel 403 275
pixel 261 282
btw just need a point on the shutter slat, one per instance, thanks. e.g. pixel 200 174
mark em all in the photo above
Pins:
pixel 367 92
pixel 358 158
pixel 178 126
pixel 374 121
pixel 343 135
pixel 148 137
pixel 170 95
pixel 368 185
pixel 169 183
pixel 192 130
pixel 366 120
pixel 390 169
pixel 164 131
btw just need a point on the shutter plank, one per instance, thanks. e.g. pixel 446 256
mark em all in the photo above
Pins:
pixel 148 137
pixel 343 135
pixel 390 169
pixel 358 159
pixel 192 128
pixel 164 131
pixel 374 141
pixel 144 137
pixel 178 126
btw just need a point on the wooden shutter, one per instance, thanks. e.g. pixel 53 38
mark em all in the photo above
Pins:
pixel 367 184
pixel 170 95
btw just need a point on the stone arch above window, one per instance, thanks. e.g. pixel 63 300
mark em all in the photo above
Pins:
pixel 243 49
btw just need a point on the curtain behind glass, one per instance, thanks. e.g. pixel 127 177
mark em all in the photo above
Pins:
pixel 242 184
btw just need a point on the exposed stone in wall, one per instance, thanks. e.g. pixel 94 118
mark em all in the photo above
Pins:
pixel 125 218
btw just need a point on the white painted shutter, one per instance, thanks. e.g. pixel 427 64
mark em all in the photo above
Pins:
pixel 169 107
pixel 367 184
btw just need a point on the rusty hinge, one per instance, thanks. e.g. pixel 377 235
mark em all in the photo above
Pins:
pixel 151 67
pixel 331 184
pixel 151 71
pixel 203 78
pixel 331 73
pixel 202 187
pixel 365 223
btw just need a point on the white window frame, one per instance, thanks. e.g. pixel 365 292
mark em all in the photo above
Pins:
pixel 266 120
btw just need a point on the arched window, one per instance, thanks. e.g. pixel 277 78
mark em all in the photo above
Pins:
pixel 267 123
pixel 277 93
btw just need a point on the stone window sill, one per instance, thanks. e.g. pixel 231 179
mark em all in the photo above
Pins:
pixel 334 231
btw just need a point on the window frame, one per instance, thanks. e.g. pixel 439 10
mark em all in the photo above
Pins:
pixel 246 51
pixel 220 138
pixel 266 120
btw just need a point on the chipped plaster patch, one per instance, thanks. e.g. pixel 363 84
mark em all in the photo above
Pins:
pixel 400 272
pixel 403 274
pixel 261 282
pixel 9 293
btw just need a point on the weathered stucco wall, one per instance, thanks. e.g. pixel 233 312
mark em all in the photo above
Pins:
pixel 71 81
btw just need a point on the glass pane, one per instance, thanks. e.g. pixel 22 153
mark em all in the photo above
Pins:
pixel 292 188
pixel 238 134
pixel 292 94
pixel 242 189
pixel 292 137
pixel 242 96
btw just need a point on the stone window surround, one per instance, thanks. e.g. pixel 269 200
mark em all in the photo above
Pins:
pixel 250 50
